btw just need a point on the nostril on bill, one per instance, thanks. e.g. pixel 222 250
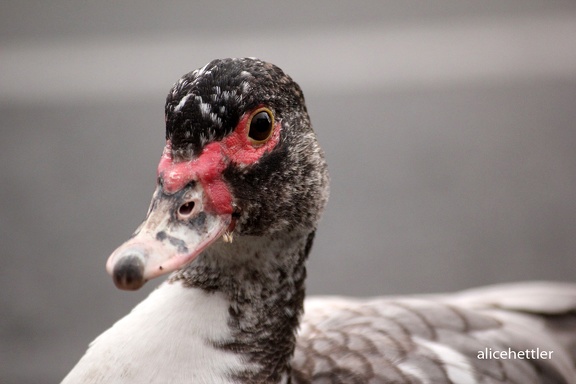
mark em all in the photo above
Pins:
pixel 186 209
pixel 128 273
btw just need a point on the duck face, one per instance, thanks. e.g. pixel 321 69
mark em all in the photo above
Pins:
pixel 240 157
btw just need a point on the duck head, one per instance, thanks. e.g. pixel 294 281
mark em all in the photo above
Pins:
pixel 240 159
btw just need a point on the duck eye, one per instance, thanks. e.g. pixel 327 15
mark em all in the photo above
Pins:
pixel 261 125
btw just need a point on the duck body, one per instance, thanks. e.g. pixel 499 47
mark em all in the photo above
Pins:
pixel 178 334
pixel 242 183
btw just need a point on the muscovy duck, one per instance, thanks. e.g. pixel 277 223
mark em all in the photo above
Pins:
pixel 241 186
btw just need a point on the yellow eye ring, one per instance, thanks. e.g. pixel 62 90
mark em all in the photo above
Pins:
pixel 260 125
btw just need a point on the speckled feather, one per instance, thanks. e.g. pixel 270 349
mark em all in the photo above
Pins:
pixel 438 339
pixel 253 288
pixel 288 187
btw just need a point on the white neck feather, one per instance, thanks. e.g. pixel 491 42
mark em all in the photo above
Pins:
pixel 169 337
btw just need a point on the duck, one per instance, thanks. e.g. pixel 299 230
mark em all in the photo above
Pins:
pixel 240 189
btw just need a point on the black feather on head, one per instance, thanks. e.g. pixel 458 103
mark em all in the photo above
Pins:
pixel 206 104
pixel 288 186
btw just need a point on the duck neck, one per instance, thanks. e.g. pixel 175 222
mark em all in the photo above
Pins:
pixel 263 280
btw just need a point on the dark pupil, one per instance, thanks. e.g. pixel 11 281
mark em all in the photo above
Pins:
pixel 260 126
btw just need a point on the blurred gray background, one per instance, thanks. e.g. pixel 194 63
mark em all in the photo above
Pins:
pixel 448 127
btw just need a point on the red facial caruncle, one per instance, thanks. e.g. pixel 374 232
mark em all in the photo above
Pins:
pixel 237 148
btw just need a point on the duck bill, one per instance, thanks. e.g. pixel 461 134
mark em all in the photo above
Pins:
pixel 176 230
